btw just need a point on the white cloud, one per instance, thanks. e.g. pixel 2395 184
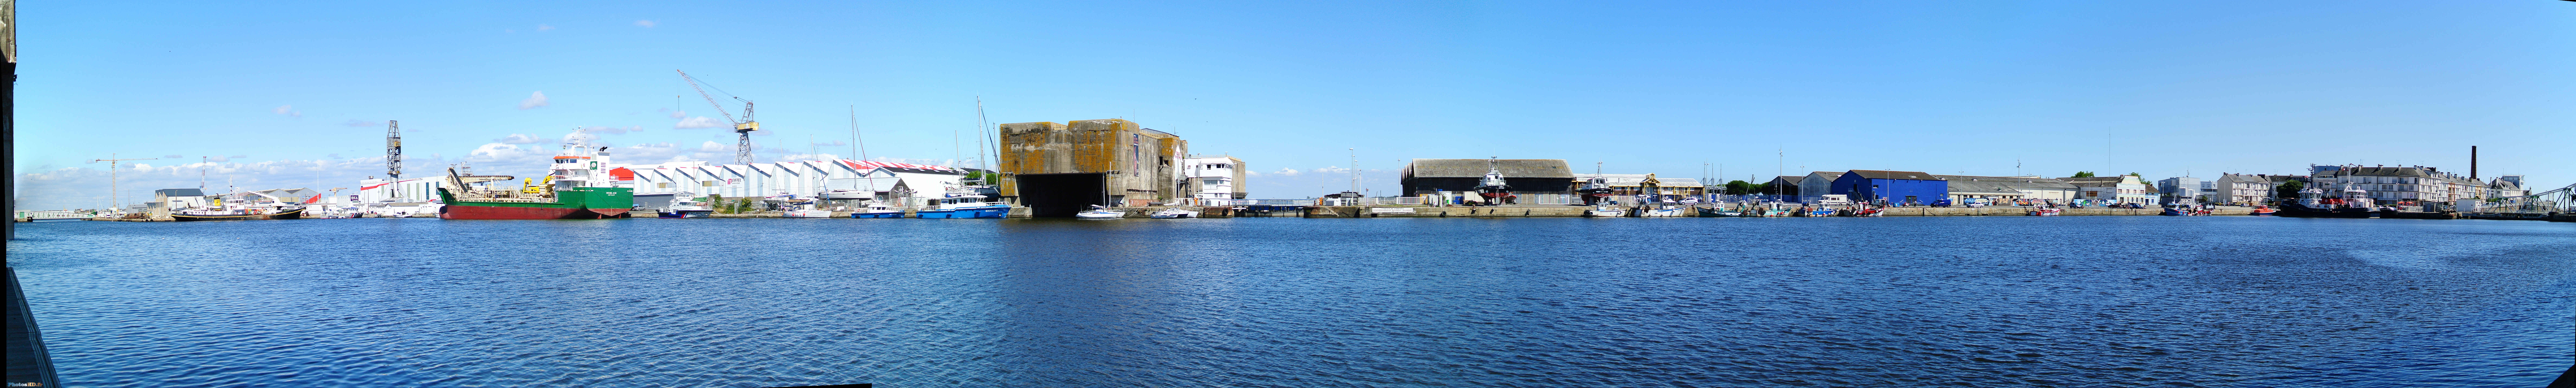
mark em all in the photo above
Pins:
pixel 712 146
pixel 645 23
pixel 698 122
pixel 542 27
pixel 1332 170
pixel 362 123
pixel 1286 172
pixel 535 100
pixel 88 187
pixel 614 130
pixel 288 110
pixel 522 139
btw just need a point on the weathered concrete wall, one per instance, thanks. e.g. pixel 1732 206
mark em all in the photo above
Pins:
pixel 1140 163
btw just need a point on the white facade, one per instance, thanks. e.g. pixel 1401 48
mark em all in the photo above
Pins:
pixel 2122 189
pixel 1214 177
pixel 379 190
pixel 2241 188
pixel 804 179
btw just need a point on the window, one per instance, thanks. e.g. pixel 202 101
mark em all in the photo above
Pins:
pixel 663 185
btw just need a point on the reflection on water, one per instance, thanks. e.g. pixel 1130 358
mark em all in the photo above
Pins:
pixel 2061 301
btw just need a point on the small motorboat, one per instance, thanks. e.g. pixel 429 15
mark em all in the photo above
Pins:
pixel 1719 212
pixel 876 209
pixel 1098 212
pixel 2263 211
pixel 1822 212
pixel 1665 211
pixel 1869 212
pixel 1605 211
pixel 2043 212
pixel 1177 212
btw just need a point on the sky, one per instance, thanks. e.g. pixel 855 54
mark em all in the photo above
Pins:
pixel 296 94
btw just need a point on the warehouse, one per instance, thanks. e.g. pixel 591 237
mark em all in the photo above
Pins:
pixel 1528 176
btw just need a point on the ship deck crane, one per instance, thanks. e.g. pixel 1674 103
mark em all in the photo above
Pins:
pixel 741 128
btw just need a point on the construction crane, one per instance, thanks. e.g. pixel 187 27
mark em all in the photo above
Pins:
pixel 741 128
pixel 111 179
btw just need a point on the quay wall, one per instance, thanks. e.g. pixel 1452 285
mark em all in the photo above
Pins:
pixel 1577 211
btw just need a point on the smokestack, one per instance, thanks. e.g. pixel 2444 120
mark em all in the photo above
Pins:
pixel 2473 162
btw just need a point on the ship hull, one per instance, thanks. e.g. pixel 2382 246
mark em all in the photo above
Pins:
pixel 577 204
pixel 297 213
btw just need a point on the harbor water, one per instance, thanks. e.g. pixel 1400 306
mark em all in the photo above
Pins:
pixel 1281 302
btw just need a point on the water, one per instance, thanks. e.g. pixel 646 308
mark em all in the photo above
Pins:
pixel 1893 301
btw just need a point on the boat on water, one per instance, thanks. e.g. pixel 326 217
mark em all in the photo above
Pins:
pixel 240 214
pixel 1665 211
pixel 806 211
pixel 1719 212
pixel 1605 210
pixel 2044 212
pixel 1177 212
pixel 965 202
pixel 2184 210
pixel 684 208
pixel 2352 202
pixel 1821 211
pixel 2261 210
pixel 578 186
pixel 876 209
pixel 1098 212
pixel 1869 212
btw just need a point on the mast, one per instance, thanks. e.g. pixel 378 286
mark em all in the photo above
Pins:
pixel 856 148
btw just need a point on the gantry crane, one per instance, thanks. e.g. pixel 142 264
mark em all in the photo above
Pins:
pixel 741 128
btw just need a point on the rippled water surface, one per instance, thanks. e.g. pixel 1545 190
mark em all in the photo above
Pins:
pixel 1894 301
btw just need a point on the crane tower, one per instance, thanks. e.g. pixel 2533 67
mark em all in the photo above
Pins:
pixel 741 128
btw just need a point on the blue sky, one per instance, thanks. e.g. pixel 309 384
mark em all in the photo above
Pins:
pixel 292 94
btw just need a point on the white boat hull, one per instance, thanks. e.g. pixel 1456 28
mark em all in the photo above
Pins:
pixel 807 214
pixel 1100 215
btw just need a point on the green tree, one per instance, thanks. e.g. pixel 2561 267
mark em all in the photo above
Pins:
pixel 1763 188
pixel 2289 189
pixel 743 206
pixel 2137 175
pixel 2083 174
pixel 1739 187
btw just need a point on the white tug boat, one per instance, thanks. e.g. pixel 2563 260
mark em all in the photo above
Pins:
pixel 1098 212
pixel 685 206
pixel 876 209
pixel 1176 212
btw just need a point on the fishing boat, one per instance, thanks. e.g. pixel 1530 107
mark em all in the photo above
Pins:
pixel 1596 190
pixel 2313 202
pixel 1177 212
pixel 876 209
pixel 1821 211
pixel 965 202
pixel 578 186
pixel 1869 212
pixel 2043 212
pixel 1098 212
pixel 1493 187
pixel 1605 211
pixel 1719 212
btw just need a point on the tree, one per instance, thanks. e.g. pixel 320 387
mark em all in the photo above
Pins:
pixel 2083 174
pixel 2289 189
pixel 2138 175
pixel 1739 187
pixel 1763 188
pixel 718 203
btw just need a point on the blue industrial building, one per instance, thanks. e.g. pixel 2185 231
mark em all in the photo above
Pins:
pixel 1897 187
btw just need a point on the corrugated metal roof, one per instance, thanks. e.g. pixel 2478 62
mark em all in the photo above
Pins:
pixel 1636 179
pixel 179 192
pixel 1476 168
pixel 1967 184
pixel 1880 174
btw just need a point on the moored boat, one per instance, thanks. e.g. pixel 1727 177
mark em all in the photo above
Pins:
pixel 2043 212
pixel 1098 212
pixel 1719 212
pixel 577 187
pixel 1605 211
pixel 1869 212
pixel 2263 211
pixel 1177 212
pixel 965 202
pixel 876 209
pixel 238 214
pixel 1664 211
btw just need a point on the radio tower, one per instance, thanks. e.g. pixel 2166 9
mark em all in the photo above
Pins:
pixel 393 153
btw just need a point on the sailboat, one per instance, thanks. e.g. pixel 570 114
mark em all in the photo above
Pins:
pixel 1098 212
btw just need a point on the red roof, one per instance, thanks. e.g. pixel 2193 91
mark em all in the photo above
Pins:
pixel 622 173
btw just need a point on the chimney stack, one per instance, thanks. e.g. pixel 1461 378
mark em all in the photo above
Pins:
pixel 2473 162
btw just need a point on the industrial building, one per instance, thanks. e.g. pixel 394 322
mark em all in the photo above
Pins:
pixel 1057 169
pixel 1215 177
pixel 1532 176
pixel 1896 187
pixel 1665 189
